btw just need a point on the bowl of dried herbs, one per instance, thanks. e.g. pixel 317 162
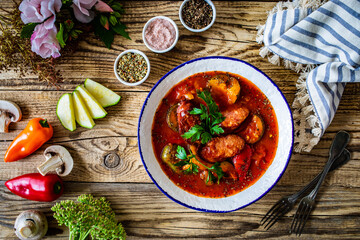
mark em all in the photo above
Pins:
pixel 132 67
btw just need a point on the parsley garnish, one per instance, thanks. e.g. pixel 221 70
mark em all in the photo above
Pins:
pixel 186 160
pixel 210 117
pixel 194 169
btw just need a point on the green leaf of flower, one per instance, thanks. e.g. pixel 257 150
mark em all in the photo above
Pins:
pixel 60 36
pixel 116 6
pixel 107 36
pixel 120 29
pixel 113 20
pixel 28 30
pixel 103 20
pixel 116 14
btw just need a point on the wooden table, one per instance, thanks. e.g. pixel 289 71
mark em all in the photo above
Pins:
pixel 144 211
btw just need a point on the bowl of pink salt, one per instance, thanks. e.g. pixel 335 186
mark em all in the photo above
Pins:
pixel 160 34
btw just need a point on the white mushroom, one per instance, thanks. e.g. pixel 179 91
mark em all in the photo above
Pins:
pixel 9 112
pixel 57 159
pixel 31 225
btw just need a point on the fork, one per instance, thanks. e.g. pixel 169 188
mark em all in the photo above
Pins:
pixel 284 205
pixel 307 204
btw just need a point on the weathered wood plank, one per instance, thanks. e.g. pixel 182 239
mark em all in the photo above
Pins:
pixel 146 213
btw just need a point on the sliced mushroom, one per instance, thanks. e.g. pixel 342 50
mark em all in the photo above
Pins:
pixel 31 225
pixel 9 112
pixel 57 159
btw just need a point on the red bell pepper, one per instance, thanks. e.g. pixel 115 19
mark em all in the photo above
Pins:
pixel 36 187
pixel 242 162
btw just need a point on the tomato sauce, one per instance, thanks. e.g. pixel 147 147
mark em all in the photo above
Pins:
pixel 263 151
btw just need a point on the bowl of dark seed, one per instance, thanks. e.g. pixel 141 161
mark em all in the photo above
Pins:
pixel 197 15
pixel 132 67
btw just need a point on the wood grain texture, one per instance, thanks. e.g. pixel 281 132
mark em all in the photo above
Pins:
pixel 145 212
pixel 148 214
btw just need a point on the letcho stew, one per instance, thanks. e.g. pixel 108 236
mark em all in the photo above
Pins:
pixel 214 134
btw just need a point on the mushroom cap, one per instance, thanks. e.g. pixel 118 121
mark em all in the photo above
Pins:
pixel 64 155
pixel 12 108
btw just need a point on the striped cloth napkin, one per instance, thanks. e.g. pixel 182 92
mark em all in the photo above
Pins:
pixel 321 41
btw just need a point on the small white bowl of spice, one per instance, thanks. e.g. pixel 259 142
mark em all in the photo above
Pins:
pixel 197 15
pixel 132 67
pixel 160 34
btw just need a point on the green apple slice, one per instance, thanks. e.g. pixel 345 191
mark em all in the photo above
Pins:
pixel 65 111
pixel 82 115
pixel 105 96
pixel 94 107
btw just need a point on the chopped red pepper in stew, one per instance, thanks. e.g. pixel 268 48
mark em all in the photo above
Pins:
pixel 215 134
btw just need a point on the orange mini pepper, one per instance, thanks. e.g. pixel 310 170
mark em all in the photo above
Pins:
pixel 37 132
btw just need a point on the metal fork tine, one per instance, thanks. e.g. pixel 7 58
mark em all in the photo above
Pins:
pixel 301 218
pixel 296 217
pixel 277 217
pixel 270 212
pixel 304 222
pixel 274 215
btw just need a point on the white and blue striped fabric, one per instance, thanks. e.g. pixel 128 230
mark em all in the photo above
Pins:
pixel 328 37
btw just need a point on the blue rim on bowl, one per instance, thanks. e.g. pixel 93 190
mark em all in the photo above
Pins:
pixel 197 206
pixel 202 29
pixel 176 34
pixel 117 62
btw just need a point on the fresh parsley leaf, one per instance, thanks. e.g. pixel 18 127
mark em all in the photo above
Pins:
pixel 181 153
pixel 194 168
pixel 216 130
pixel 205 137
pixel 194 133
pixel 196 111
pixel 211 177
pixel 28 30
pixel 218 170
pixel 181 163
pixel 210 119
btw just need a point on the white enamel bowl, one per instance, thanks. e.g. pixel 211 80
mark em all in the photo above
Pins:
pixel 270 177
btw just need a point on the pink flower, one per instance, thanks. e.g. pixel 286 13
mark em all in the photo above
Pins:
pixel 44 42
pixel 82 10
pixel 37 11
pixel 103 7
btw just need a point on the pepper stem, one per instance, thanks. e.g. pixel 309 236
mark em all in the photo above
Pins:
pixel 57 187
pixel 44 123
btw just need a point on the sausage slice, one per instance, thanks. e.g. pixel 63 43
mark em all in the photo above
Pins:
pixel 221 148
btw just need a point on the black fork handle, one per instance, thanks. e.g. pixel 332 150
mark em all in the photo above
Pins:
pixel 337 147
pixel 341 160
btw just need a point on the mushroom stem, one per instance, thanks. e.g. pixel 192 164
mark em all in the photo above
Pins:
pixel 28 229
pixel 54 163
pixel 4 122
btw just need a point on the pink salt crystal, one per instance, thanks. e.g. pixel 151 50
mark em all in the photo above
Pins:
pixel 160 34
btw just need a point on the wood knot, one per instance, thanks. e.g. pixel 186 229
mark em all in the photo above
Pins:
pixel 111 160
